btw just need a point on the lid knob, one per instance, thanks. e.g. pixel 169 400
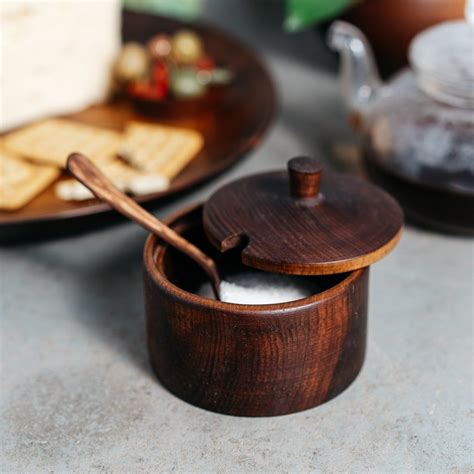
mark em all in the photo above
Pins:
pixel 305 177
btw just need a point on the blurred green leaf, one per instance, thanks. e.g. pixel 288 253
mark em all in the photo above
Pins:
pixel 184 9
pixel 303 13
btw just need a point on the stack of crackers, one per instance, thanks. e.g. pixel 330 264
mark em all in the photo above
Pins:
pixel 141 160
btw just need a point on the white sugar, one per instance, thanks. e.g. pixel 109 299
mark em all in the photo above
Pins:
pixel 255 287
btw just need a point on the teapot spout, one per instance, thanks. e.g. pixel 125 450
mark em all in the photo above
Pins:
pixel 359 76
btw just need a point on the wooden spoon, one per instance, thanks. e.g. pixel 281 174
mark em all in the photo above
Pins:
pixel 91 177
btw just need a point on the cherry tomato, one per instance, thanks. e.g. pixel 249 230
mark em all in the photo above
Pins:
pixel 205 63
pixel 145 90
pixel 160 77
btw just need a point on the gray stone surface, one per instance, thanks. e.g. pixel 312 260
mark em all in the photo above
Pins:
pixel 78 394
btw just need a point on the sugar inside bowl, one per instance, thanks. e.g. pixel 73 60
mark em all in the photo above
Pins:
pixel 254 356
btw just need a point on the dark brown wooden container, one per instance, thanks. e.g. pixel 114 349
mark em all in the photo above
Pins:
pixel 249 360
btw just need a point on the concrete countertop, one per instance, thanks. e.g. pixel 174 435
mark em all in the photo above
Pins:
pixel 78 394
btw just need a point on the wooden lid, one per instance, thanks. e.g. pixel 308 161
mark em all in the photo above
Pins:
pixel 305 221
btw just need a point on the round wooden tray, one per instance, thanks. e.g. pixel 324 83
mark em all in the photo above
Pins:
pixel 231 127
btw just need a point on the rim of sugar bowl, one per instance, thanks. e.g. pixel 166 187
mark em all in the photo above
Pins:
pixel 153 255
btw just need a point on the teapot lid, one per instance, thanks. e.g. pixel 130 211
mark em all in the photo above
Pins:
pixel 443 57
pixel 305 221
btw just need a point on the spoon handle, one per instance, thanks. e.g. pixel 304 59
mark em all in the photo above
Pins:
pixel 91 177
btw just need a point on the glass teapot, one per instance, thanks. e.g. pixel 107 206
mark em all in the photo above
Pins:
pixel 419 127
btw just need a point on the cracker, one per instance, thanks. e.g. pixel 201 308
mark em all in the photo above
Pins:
pixel 21 181
pixel 125 177
pixel 159 149
pixel 51 142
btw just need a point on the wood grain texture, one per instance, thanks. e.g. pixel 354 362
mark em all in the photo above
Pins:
pixel 231 126
pixel 250 360
pixel 101 186
pixel 350 224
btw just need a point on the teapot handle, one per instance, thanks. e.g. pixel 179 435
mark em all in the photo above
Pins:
pixel 359 76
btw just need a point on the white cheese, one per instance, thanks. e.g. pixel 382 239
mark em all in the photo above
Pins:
pixel 56 56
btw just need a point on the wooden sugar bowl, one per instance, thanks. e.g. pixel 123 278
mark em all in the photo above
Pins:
pixel 271 359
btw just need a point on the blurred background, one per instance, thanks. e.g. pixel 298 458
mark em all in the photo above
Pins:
pixel 78 393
